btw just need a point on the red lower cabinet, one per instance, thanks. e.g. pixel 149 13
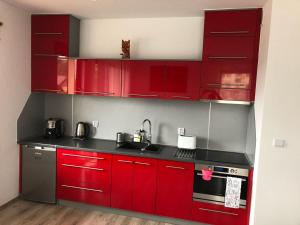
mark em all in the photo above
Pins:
pixel 174 189
pixel 121 189
pixel 133 183
pixel 144 185
pixel 83 177
pixel 218 215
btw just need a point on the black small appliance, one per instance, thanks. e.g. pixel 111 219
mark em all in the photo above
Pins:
pixel 54 128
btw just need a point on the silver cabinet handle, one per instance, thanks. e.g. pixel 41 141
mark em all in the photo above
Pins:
pixel 38 153
pixel 82 167
pixel 176 167
pixel 83 156
pixel 184 97
pixel 230 32
pixel 143 95
pixel 214 85
pixel 81 188
pixel 48 33
pixel 125 161
pixel 239 85
pixel 218 211
pixel 142 163
pixel 50 90
pixel 91 92
pixel 217 85
pixel 200 174
pixel 48 55
pixel 228 57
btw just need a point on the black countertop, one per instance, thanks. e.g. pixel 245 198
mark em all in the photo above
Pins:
pixel 109 146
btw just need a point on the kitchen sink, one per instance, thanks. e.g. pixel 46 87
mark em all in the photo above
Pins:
pixel 143 147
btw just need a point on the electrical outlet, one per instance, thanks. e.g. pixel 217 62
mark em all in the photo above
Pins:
pixel 181 131
pixel 95 123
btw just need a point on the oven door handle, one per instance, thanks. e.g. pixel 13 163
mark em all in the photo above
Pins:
pixel 216 176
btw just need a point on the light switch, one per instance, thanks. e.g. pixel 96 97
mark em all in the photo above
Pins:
pixel 279 143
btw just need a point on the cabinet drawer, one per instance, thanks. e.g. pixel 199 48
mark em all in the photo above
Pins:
pixel 218 214
pixel 232 22
pixel 224 48
pixel 85 195
pixel 84 158
pixel 86 177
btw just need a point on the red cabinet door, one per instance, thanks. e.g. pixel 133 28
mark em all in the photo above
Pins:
pixel 232 22
pixel 175 189
pixel 143 78
pixel 83 176
pixel 98 77
pixel 49 74
pixel 228 80
pixel 122 182
pixel 216 48
pixel 50 34
pixel 183 80
pixel 144 185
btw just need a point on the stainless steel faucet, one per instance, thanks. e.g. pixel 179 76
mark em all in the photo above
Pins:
pixel 148 136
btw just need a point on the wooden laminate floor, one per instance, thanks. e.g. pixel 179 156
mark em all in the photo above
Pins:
pixel 29 213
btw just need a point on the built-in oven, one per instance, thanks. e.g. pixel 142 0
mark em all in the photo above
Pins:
pixel 213 191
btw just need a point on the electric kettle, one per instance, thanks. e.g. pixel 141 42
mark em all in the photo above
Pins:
pixel 82 131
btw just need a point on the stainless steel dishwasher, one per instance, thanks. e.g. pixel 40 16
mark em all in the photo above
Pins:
pixel 39 173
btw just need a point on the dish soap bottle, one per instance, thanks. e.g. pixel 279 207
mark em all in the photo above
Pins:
pixel 137 136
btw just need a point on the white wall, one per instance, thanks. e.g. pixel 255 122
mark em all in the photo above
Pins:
pixel 277 179
pixel 15 89
pixel 157 38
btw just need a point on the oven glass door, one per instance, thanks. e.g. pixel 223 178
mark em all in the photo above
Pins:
pixel 217 185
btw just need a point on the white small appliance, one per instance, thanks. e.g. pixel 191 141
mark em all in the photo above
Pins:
pixel 186 142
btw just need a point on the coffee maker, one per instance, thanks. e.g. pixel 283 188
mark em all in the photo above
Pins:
pixel 54 128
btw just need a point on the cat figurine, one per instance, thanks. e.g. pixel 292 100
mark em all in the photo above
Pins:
pixel 125 49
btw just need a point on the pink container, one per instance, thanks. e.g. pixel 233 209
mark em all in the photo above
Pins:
pixel 206 174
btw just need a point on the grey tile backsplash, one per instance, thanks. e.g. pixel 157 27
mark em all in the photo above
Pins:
pixel 126 115
pixel 226 130
pixel 228 127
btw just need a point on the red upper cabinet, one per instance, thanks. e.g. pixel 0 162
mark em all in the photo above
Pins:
pixel 228 80
pixel 50 74
pixel 230 54
pixel 50 34
pixel 98 77
pixel 175 189
pixel 143 78
pixel 224 48
pixel 53 39
pixel 183 80
pixel 55 35
pixel 232 22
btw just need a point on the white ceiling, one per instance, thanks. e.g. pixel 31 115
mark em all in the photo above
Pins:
pixel 131 8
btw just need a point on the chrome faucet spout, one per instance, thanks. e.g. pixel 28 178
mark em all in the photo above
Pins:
pixel 149 136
